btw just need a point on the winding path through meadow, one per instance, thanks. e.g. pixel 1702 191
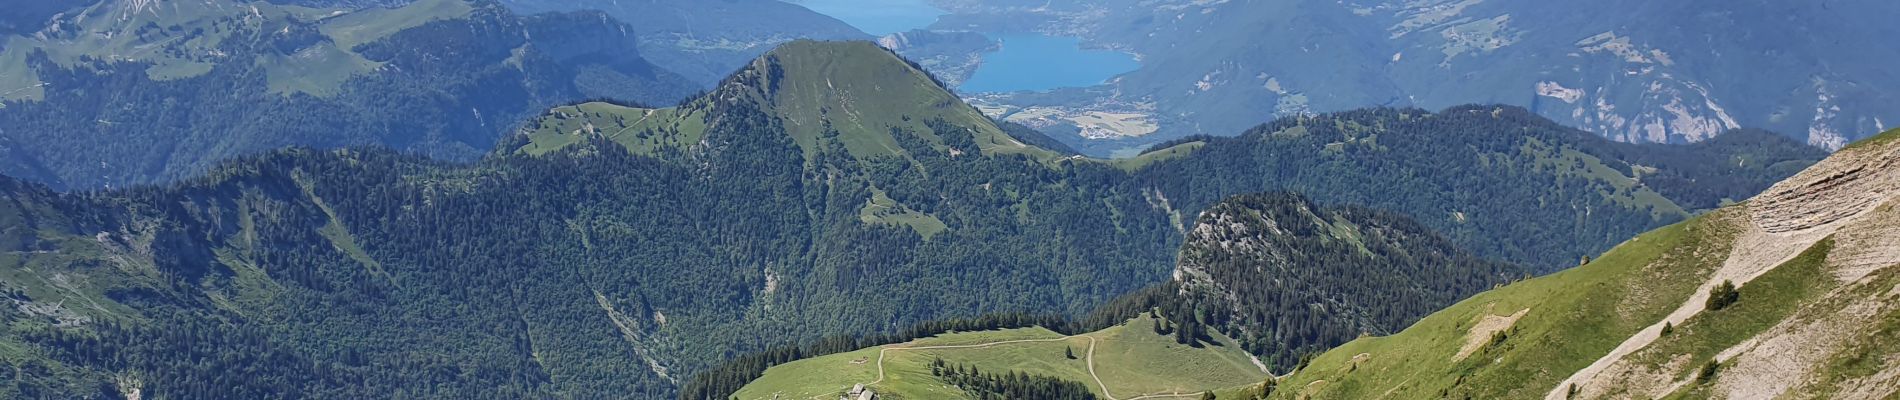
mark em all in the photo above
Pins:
pixel 1088 359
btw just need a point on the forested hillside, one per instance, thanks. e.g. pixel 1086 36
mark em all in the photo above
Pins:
pixel 1270 274
pixel 1486 176
pixel 1285 277
pixel 125 92
pixel 613 250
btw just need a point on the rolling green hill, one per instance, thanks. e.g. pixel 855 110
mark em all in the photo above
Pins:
pixel 125 92
pixel 1124 361
pixel 1812 265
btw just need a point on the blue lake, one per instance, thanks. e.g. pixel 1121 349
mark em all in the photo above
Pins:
pixel 1037 63
pixel 1026 61
pixel 878 17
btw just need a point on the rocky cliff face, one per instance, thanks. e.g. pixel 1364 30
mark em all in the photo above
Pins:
pixel 1846 185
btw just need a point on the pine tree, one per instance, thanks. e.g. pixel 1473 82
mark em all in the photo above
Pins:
pixel 1708 371
pixel 1722 296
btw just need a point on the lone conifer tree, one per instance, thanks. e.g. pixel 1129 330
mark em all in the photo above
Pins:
pixel 1722 296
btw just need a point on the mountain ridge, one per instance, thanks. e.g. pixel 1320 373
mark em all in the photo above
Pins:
pixel 1631 70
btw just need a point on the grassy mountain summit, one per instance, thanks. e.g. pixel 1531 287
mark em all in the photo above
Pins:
pixel 1787 293
pixel 855 94
pixel 829 96
pixel 1126 360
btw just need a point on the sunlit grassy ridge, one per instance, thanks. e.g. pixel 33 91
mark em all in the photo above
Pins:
pixel 1130 359
pixel 1573 317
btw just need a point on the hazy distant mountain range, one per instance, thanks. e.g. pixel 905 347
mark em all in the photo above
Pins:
pixel 127 92
pixel 1674 71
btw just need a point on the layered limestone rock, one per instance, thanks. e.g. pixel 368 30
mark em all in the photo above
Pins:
pixel 1847 184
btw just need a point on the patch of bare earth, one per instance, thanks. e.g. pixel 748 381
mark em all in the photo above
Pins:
pixel 1882 385
pixel 1867 246
pixel 1788 358
pixel 1310 389
pixel 1487 325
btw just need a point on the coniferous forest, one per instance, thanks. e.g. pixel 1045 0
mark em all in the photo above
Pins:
pixel 1008 385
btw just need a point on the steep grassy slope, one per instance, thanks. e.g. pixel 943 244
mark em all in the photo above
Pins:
pixel 124 92
pixel 1814 263
pixel 1130 360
